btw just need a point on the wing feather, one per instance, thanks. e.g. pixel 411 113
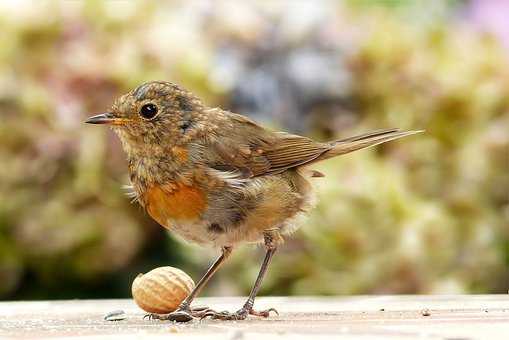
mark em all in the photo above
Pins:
pixel 254 151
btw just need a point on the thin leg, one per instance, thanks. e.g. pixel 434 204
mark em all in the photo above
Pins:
pixel 185 313
pixel 258 283
pixel 225 253
pixel 272 238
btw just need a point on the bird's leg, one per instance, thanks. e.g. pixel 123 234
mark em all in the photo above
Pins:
pixel 184 312
pixel 272 239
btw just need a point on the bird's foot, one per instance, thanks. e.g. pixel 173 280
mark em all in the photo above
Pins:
pixel 241 314
pixel 182 314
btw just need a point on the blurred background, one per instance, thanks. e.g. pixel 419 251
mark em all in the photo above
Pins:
pixel 427 214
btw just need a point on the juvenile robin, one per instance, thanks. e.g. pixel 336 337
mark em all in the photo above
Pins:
pixel 218 178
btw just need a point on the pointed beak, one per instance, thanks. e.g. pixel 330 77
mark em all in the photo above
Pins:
pixel 104 118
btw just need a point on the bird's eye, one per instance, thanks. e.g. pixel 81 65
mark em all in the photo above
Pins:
pixel 148 111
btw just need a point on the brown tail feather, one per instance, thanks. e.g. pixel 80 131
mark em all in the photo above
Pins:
pixel 342 146
pixel 366 135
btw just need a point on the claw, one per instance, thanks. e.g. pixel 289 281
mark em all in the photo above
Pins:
pixel 149 316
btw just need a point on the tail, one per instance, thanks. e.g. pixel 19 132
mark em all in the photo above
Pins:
pixel 342 146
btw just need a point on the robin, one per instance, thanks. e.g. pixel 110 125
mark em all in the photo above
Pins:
pixel 218 178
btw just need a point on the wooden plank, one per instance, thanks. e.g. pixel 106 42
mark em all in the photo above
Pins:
pixel 356 317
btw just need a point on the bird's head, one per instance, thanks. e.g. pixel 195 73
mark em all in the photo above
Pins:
pixel 154 113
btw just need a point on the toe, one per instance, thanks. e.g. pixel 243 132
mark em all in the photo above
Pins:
pixel 224 315
pixel 153 316
pixel 263 313
pixel 209 313
pixel 241 314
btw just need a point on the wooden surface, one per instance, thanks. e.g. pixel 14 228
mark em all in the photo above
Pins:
pixel 359 317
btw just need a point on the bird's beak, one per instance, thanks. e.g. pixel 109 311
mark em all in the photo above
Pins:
pixel 105 118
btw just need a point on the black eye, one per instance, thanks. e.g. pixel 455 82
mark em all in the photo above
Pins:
pixel 148 111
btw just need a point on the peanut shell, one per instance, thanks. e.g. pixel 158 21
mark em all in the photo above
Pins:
pixel 161 290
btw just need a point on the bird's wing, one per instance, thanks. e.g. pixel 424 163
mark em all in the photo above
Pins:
pixel 256 151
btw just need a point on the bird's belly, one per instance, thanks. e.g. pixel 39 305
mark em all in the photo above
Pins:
pixel 191 232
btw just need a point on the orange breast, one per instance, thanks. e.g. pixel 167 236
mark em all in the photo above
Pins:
pixel 174 202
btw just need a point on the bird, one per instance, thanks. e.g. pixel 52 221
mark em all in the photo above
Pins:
pixel 218 178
